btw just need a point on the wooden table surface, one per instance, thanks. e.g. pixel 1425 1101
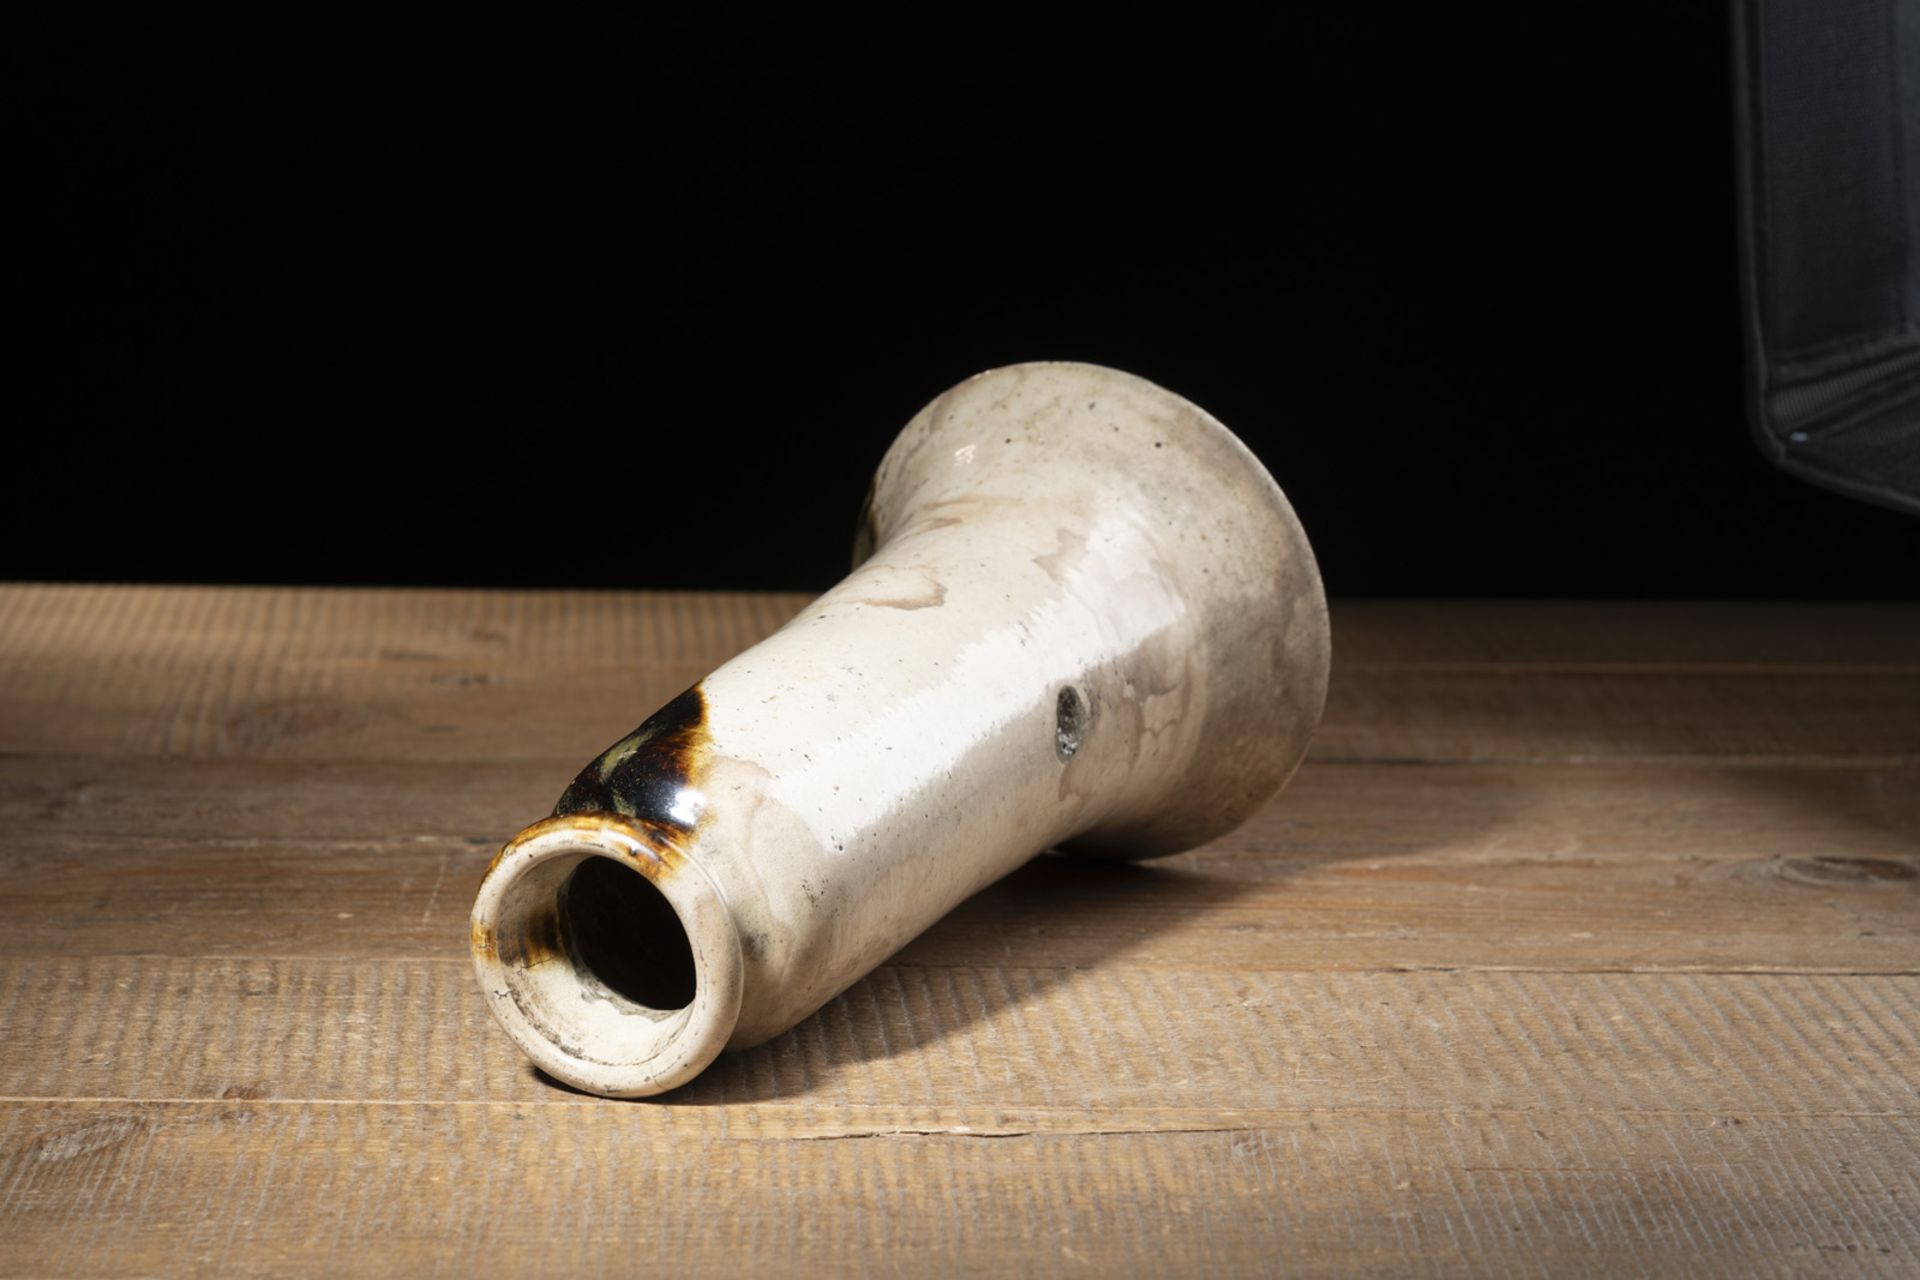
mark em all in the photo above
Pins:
pixel 1587 942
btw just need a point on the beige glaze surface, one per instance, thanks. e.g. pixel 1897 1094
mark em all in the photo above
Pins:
pixel 1085 615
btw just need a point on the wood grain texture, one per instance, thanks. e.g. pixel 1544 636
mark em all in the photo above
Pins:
pixel 414 1189
pixel 1809 907
pixel 1357 867
pixel 458 676
pixel 991 1048
pixel 1588 942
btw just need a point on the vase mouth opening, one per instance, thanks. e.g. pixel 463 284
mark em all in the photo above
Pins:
pixel 607 954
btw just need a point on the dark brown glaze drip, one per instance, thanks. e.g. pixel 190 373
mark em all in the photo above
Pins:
pixel 642 775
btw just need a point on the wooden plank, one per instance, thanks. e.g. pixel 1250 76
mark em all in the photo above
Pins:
pixel 1600 635
pixel 353 673
pixel 400 713
pixel 348 628
pixel 185 799
pixel 342 898
pixel 392 711
pixel 1331 810
pixel 400 676
pixel 1490 716
pixel 240 1187
pixel 1358 867
pixel 260 625
pixel 1006 1048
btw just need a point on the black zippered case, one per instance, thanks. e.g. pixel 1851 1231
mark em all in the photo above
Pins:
pixel 1827 104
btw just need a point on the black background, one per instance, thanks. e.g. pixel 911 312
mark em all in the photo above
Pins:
pixel 639 304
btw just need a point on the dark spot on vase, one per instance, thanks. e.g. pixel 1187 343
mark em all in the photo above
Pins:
pixel 1069 722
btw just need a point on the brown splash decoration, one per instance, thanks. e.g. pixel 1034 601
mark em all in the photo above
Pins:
pixel 647 774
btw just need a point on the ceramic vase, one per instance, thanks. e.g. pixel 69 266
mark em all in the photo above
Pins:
pixel 1082 615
